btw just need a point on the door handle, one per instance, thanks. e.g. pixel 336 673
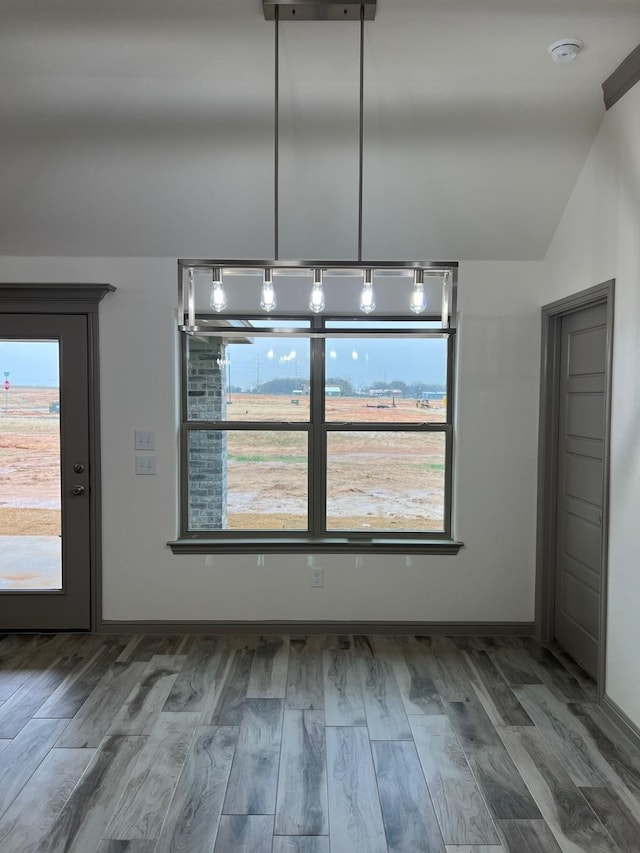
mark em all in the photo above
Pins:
pixel 78 490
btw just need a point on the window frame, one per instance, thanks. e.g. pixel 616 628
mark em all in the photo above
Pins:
pixel 316 538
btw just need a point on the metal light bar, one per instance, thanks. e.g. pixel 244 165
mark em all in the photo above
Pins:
pixel 319 10
pixel 430 267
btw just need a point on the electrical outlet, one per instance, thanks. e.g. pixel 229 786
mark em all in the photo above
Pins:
pixel 317 576
pixel 145 440
pixel 145 464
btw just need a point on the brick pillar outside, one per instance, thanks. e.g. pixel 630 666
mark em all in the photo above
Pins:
pixel 207 451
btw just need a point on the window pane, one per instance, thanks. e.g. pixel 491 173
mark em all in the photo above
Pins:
pixel 30 496
pixel 256 379
pixel 385 481
pixel 247 480
pixel 386 380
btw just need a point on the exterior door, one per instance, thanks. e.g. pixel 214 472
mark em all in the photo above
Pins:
pixel 45 529
pixel 580 484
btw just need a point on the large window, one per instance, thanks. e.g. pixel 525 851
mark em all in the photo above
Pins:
pixel 325 433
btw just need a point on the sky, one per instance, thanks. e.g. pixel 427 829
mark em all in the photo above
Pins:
pixel 363 361
pixel 30 362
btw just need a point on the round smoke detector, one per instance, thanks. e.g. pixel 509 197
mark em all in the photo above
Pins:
pixel 565 50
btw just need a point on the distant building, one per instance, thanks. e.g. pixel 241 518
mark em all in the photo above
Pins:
pixel 332 391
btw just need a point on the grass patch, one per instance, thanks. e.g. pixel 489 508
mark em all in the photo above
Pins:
pixel 260 457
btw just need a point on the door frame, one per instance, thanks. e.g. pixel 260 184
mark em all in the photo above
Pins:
pixel 83 299
pixel 552 315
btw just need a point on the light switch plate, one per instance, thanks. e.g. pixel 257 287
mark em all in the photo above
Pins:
pixel 145 440
pixel 146 464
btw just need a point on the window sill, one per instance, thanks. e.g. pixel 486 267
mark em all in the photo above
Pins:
pixel 314 546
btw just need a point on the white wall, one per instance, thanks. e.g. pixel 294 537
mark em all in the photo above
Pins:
pixel 597 239
pixel 492 578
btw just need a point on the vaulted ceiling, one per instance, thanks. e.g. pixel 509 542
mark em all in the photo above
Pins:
pixel 146 128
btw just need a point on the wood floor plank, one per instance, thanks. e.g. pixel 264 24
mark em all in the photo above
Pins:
pixel 302 807
pixel 32 694
pixel 516 666
pixel 245 834
pixel 156 644
pixel 408 662
pixel 92 721
pixel 80 826
pixel 475 848
pixel 268 678
pixel 384 709
pixel 144 704
pixel 567 737
pixel 497 698
pixel 355 816
pixel 343 700
pixel 227 706
pixel 70 696
pixel 24 754
pixel 194 815
pixel 29 819
pixel 458 803
pixel 202 675
pixel 301 844
pixel 448 668
pixel 620 754
pixel 472 725
pixel 502 785
pixel 497 776
pixel 616 818
pixel 253 781
pixel 304 679
pixel 21 656
pixel 420 694
pixel 407 811
pixel 127 847
pixel 561 682
pixel 530 836
pixel 143 806
pixel 570 819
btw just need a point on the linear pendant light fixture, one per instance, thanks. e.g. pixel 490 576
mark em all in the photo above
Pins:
pixel 370 271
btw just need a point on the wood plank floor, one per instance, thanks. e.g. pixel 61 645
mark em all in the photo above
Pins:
pixel 319 744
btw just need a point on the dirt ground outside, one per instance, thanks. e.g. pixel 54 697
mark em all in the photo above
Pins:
pixel 29 462
pixel 375 481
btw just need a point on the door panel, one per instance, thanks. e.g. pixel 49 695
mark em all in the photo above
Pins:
pixel 45 577
pixel 580 484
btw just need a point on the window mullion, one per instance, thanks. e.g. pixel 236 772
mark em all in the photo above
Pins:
pixel 317 450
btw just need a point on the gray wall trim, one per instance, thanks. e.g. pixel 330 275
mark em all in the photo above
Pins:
pixel 623 78
pixel 552 315
pixel 51 297
pixel 457 629
pixel 69 298
pixel 621 720
pixel 96 471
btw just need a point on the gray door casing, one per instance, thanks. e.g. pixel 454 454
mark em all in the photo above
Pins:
pixel 79 303
pixel 573 478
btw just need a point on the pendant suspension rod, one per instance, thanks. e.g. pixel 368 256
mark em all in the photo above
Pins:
pixel 276 122
pixel 361 133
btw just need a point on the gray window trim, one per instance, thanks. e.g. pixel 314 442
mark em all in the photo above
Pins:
pixel 316 538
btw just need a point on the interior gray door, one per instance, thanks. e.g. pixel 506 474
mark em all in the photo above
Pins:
pixel 45 531
pixel 580 484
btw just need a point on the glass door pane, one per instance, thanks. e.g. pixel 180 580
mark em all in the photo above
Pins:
pixel 30 483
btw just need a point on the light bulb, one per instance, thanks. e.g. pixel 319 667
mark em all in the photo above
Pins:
pixel 316 301
pixel 218 299
pixel 367 298
pixel 268 294
pixel 418 300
